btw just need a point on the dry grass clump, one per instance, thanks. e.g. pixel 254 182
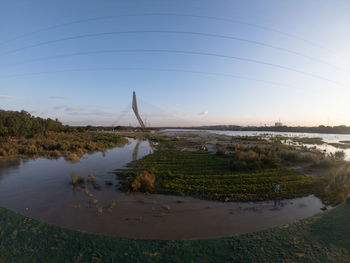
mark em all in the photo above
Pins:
pixel 99 210
pixel 76 179
pixel 3 152
pixel 93 201
pixel 143 182
pixel 91 180
pixel 166 207
pixel 72 157
pixel 111 206
pixel 91 177
pixel 56 153
pixel 88 193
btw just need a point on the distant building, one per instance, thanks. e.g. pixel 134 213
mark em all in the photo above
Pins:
pixel 278 124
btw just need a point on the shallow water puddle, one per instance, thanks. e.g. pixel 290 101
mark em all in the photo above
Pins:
pixel 41 189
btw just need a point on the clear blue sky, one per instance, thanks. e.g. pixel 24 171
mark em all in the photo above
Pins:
pixel 307 43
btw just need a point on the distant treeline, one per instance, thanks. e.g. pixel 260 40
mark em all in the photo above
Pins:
pixel 342 129
pixel 22 123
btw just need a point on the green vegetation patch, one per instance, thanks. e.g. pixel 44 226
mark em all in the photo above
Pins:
pixel 340 145
pixel 210 176
pixel 322 238
pixel 179 143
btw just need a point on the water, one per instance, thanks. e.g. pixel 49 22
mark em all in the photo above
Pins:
pixel 40 188
pixel 328 138
pixel 33 183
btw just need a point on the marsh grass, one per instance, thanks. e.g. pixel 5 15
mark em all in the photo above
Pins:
pixel 165 142
pixel 93 201
pixel 72 157
pixel 300 140
pixel 88 193
pixel 73 145
pixel 91 177
pixel 91 180
pixel 77 179
pixel 210 176
pixel 99 210
pixel 143 182
pixel 334 186
pixel 244 169
pixel 341 145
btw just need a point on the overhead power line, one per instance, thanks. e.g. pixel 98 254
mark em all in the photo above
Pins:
pixel 152 69
pixel 185 52
pixel 92 35
pixel 228 20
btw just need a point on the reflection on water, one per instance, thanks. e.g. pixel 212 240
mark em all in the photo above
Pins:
pixel 24 180
pixel 8 166
pixel 40 188
pixel 135 153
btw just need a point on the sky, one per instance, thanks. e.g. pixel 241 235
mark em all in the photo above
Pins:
pixel 190 62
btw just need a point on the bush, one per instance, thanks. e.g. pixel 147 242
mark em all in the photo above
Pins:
pixel 339 155
pixel 290 156
pixel 143 182
pixel 3 152
pixel 31 149
pixel 56 153
pixel 325 163
pixel 73 157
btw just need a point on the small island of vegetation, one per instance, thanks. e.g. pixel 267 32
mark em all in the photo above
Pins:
pixel 242 169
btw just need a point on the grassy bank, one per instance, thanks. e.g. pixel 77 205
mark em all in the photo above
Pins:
pixel 211 176
pixel 322 238
pixel 54 144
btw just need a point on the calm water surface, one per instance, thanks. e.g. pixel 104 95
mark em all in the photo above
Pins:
pixel 40 188
pixel 328 138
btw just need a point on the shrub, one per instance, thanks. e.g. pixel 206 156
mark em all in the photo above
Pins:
pixel 325 163
pixel 30 149
pixel 290 156
pixel 73 157
pixel 143 182
pixel 3 152
pixel 339 155
pixel 56 153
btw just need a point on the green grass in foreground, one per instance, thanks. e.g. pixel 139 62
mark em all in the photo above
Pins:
pixel 210 176
pixel 322 238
